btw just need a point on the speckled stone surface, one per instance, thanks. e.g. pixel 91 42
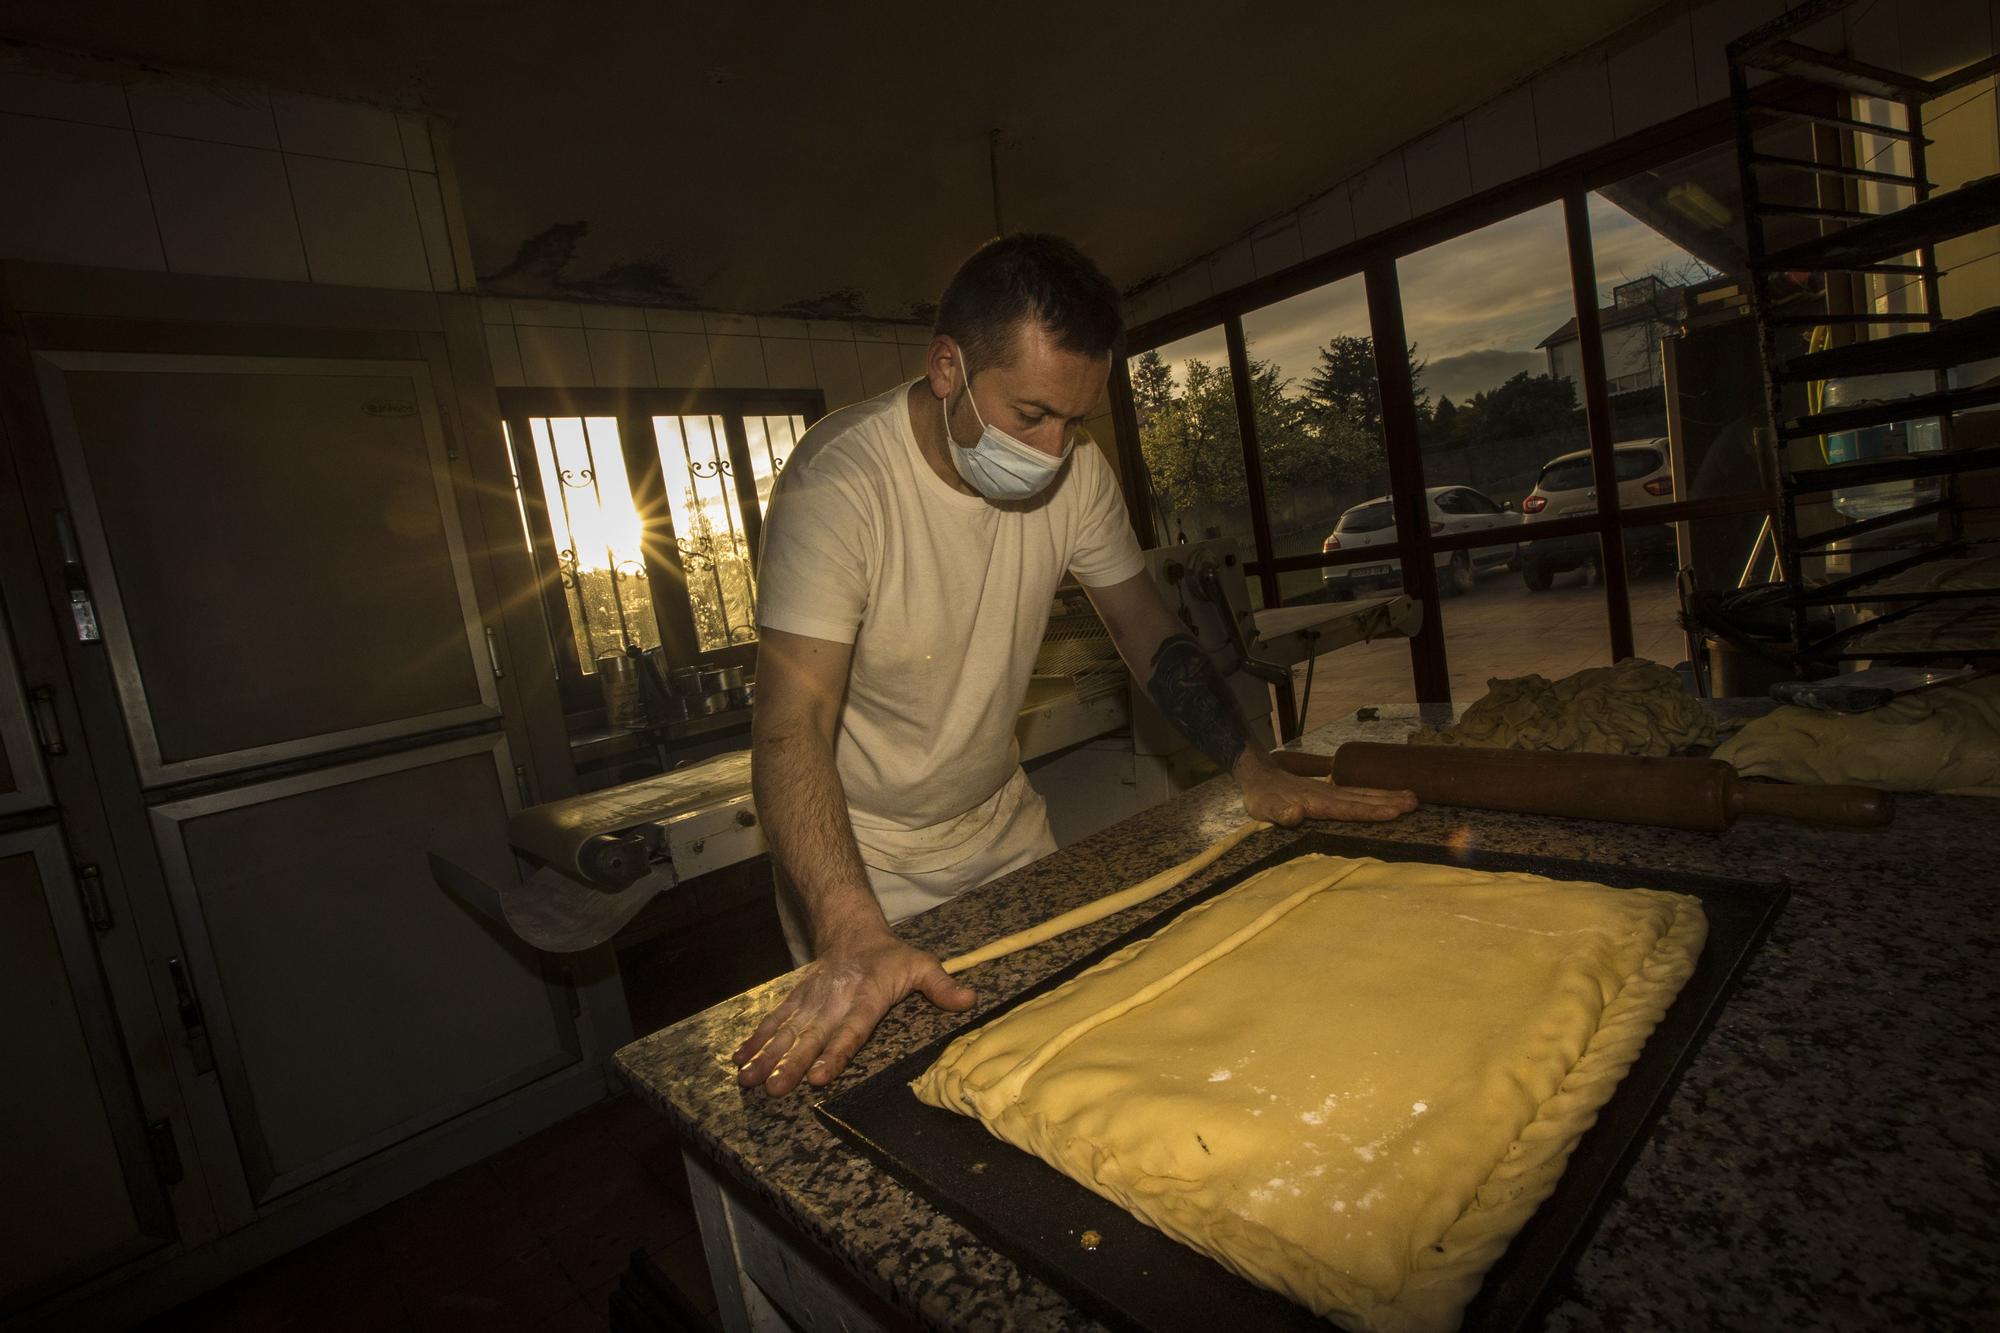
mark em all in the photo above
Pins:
pixel 1828 1161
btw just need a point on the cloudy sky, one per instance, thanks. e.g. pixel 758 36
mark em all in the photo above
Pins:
pixel 1475 305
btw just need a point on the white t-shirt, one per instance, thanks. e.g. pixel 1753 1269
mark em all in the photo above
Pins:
pixel 945 597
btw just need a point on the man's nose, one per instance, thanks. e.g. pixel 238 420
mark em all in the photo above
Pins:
pixel 1051 438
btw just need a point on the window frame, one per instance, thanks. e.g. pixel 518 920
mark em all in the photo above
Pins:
pixel 1374 258
pixel 634 410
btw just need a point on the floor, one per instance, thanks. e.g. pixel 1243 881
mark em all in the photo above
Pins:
pixel 532 1240
pixel 1499 629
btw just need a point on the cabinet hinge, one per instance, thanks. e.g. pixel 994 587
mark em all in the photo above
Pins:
pixel 90 887
pixel 166 1151
pixel 46 722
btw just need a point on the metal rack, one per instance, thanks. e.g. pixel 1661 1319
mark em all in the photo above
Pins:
pixel 1942 576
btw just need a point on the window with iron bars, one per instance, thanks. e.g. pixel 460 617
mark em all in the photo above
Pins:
pixel 643 511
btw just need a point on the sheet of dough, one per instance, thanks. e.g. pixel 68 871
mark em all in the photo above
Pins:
pixel 1349 1081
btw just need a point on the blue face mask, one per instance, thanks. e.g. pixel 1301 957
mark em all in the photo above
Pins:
pixel 997 465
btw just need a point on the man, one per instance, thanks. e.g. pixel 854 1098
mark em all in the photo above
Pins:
pixel 912 550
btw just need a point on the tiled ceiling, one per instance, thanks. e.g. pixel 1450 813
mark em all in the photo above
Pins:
pixel 837 158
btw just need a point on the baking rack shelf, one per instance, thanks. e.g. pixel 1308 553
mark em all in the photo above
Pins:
pixel 1940 573
pixel 1955 342
pixel 1872 267
pixel 1919 632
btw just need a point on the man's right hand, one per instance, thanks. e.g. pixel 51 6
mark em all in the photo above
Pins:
pixel 841 996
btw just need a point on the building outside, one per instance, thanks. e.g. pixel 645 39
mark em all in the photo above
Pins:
pixel 1641 313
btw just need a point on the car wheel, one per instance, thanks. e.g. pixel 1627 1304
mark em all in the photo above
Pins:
pixel 1458 576
pixel 1535 576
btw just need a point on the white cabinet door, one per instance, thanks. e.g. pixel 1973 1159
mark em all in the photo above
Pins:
pixel 81 1193
pixel 348 1002
pixel 275 549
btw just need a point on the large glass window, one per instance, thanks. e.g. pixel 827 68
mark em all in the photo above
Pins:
pixel 1501 428
pixel 1496 400
pixel 1319 430
pixel 1185 401
pixel 1361 675
pixel 1495 359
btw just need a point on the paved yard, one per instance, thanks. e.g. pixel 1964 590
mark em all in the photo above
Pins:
pixel 1500 629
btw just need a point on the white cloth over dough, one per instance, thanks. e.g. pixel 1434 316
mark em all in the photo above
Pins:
pixel 1942 740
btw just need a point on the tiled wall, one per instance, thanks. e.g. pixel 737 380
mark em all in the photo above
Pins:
pixel 1665 65
pixel 566 344
pixel 148 173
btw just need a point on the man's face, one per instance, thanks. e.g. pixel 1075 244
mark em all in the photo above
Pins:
pixel 1040 397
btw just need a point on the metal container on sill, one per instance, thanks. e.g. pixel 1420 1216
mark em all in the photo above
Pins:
pixel 721 680
pixel 706 705
pixel 624 692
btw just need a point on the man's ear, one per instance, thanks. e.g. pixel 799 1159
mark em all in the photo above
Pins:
pixel 943 367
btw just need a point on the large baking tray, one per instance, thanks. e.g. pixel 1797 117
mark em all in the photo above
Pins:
pixel 1138 1278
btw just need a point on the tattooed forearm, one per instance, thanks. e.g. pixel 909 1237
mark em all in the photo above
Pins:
pixel 1191 694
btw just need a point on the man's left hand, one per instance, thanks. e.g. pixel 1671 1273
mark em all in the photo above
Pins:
pixel 1272 794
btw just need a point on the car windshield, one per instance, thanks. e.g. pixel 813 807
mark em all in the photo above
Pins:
pixel 1371 517
pixel 1566 474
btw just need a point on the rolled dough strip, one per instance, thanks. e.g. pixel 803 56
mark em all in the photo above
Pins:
pixel 1107 905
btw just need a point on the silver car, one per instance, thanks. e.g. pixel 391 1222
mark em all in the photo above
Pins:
pixel 1452 509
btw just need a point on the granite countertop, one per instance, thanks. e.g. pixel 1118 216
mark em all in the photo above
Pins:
pixel 1827 1160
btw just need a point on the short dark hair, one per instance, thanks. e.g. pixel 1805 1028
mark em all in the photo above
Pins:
pixel 1029 275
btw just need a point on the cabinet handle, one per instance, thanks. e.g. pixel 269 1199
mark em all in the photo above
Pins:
pixel 82 609
pixel 189 1007
pixel 493 653
pixel 47 723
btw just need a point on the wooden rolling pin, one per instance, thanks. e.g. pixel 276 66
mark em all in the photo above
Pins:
pixel 1704 794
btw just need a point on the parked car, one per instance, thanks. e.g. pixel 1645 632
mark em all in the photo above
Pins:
pixel 1566 488
pixel 1452 509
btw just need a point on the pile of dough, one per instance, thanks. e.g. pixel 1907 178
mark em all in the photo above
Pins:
pixel 1945 740
pixel 1636 707
pixel 1349 1081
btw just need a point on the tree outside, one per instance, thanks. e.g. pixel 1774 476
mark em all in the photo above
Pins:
pixel 720 591
pixel 1320 439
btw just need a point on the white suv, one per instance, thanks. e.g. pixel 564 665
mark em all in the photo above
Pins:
pixel 1566 488
pixel 1452 509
